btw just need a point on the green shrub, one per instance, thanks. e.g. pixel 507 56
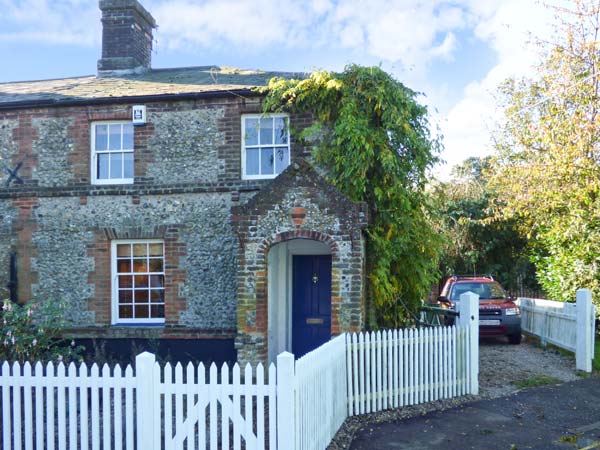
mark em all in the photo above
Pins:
pixel 35 332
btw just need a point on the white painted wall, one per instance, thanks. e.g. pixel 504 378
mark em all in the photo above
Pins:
pixel 279 272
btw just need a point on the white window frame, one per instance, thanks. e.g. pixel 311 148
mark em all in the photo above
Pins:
pixel 273 145
pixel 115 320
pixel 94 154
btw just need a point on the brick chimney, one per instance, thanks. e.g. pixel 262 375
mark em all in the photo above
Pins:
pixel 126 37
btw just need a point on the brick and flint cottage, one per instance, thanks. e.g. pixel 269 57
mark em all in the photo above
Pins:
pixel 160 204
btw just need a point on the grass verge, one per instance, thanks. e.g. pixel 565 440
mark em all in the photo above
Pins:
pixel 538 380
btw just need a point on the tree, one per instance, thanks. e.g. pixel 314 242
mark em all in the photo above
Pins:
pixel 373 140
pixel 474 240
pixel 548 176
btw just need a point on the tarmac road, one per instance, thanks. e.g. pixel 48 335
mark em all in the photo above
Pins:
pixel 565 416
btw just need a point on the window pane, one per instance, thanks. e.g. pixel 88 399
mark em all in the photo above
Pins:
pixel 252 161
pixel 127 136
pixel 128 165
pixel 116 165
pixel 157 296
pixel 281 131
pixel 251 132
pixel 123 250
pixel 266 161
pixel 156 249
pixel 140 250
pixel 124 265
pixel 156 265
pixel 125 281
pixel 141 296
pixel 140 265
pixel 125 312
pixel 114 136
pixel 157 281
pixel 266 131
pixel 282 158
pixel 141 281
pixel 157 311
pixel 142 311
pixel 102 169
pixel 125 296
pixel 101 137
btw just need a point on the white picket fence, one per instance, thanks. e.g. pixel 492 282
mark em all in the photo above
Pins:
pixel 395 368
pixel 321 394
pixel 51 408
pixel 567 325
pixel 300 405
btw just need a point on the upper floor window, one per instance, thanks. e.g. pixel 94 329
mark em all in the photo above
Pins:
pixel 265 145
pixel 112 153
pixel 138 288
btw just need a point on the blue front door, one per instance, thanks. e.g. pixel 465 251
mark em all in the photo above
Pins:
pixel 311 303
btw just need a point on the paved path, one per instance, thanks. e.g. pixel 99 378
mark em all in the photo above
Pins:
pixel 532 419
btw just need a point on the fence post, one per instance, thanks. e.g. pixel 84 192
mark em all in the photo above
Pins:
pixel 144 392
pixel 286 405
pixel 583 353
pixel 468 307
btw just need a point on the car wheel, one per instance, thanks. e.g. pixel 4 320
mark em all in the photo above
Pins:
pixel 515 339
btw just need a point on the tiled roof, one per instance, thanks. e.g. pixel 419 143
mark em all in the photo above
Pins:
pixel 155 82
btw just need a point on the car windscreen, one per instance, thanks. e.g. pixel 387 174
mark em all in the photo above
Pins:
pixel 485 290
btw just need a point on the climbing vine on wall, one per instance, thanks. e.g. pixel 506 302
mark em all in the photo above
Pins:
pixel 372 137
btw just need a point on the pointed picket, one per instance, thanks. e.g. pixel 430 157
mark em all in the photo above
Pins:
pixel 213 406
pixel 200 407
pixel 118 407
pixel 179 392
pixel 6 420
pixel 248 407
pixel 27 407
pixel 272 407
pixel 237 412
pixel 190 401
pixel 72 405
pixel 225 409
pixel 39 405
pixel 129 411
pixel 260 407
pixel 168 408
pixel 362 375
pixel 50 394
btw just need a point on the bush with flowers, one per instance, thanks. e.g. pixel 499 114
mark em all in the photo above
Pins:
pixel 35 332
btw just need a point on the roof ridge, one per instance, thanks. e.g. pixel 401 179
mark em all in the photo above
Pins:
pixel 48 79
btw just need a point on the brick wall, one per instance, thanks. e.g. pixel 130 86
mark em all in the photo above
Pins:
pixel 187 180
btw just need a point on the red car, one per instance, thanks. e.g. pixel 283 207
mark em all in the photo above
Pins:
pixel 498 314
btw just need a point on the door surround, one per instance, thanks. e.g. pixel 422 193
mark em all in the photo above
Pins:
pixel 279 289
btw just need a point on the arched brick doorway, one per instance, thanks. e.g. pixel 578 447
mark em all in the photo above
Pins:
pixel 299 205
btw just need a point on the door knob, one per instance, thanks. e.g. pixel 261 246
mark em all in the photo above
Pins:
pixel 315 278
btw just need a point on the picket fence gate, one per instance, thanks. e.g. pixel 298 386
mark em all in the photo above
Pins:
pixel 298 405
pixel 567 325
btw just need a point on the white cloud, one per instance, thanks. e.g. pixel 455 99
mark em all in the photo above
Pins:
pixel 506 27
pixel 407 31
pixel 74 22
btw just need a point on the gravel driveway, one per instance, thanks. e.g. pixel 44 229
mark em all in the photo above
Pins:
pixel 501 367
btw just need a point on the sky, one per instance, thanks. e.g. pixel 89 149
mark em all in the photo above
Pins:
pixel 453 52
